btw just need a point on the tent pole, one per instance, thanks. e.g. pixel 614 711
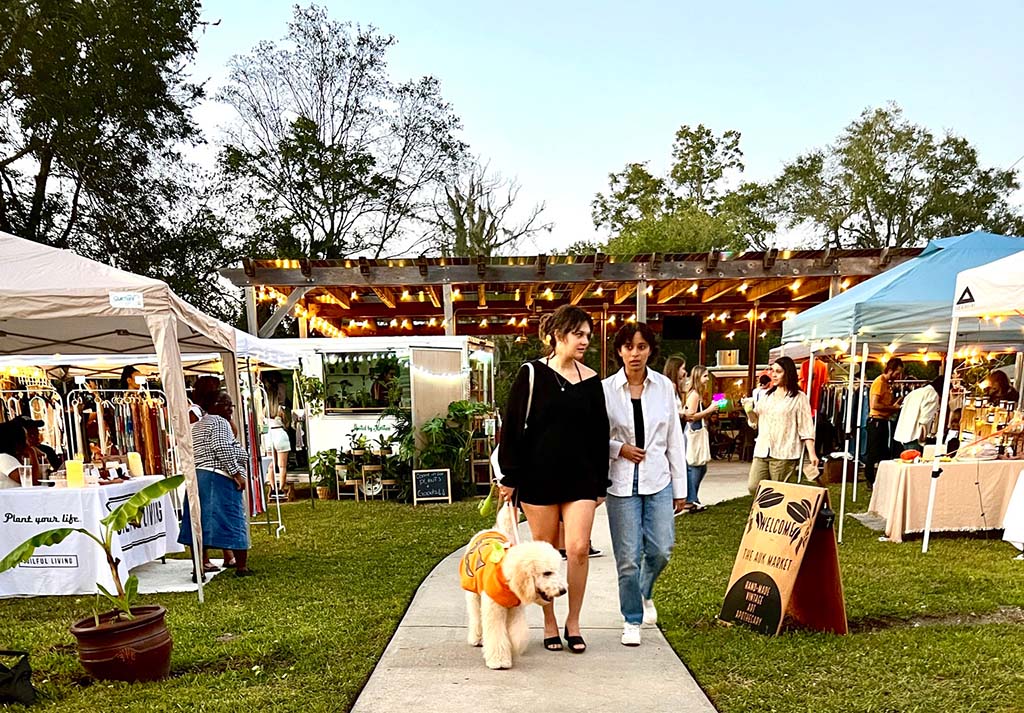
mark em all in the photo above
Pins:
pixel 846 440
pixel 940 441
pixel 860 417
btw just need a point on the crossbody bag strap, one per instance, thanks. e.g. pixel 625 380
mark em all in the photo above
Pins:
pixel 529 399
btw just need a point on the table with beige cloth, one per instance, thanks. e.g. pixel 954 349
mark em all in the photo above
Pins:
pixel 971 496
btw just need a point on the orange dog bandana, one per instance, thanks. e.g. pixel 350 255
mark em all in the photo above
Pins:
pixel 480 568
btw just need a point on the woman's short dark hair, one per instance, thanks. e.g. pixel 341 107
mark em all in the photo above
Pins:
pixel 561 322
pixel 937 383
pixel 791 380
pixel 205 392
pixel 628 331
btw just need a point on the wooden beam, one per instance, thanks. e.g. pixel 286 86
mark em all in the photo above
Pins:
pixel 481 296
pixel 528 297
pixel 579 292
pixel 282 310
pixel 432 294
pixel 761 289
pixel 385 295
pixel 717 289
pixel 342 299
pixel 623 291
pixel 672 289
pixel 811 287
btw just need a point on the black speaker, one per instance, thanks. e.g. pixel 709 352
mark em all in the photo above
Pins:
pixel 681 327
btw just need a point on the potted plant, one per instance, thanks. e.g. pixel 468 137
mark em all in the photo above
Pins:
pixel 128 643
pixel 323 466
pixel 384 444
pixel 357 444
pixel 313 392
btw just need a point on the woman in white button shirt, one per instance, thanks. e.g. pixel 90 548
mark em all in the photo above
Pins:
pixel 648 474
pixel 13 451
pixel 784 426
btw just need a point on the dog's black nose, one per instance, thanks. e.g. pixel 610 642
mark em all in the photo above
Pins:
pixel 561 591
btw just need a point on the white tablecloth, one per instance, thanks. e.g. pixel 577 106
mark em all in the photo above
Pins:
pixel 970 496
pixel 1013 521
pixel 78 563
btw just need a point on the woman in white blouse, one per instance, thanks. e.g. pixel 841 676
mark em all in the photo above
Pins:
pixel 784 426
pixel 648 474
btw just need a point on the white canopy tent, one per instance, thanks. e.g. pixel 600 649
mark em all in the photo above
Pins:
pixel 56 302
pixel 992 293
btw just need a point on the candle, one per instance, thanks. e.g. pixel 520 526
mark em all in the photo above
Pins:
pixel 76 474
pixel 135 468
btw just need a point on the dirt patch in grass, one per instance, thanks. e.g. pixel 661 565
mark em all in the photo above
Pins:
pixel 1003 615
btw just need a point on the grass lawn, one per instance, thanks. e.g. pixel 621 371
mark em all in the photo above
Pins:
pixel 921 640
pixel 303 635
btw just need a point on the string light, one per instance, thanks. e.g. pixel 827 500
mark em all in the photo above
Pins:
pixel 730 335
pixel 517 292
pixel 693 289
pixel 599 291
pixel 456 294
pixel 548 294
pixel 742 288
pixel 405 295
pixel 650 290
pixel 795 287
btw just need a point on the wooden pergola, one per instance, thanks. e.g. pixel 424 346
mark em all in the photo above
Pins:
pixel 506 295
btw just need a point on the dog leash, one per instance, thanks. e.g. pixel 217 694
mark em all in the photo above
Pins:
pixel 515 523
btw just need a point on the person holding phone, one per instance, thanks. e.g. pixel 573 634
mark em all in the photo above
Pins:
pixel 697 456
pixel 784 427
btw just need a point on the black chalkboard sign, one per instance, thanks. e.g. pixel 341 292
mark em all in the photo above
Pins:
pixel 430 485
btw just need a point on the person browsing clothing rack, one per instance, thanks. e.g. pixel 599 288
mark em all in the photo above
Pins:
pixel 555 463
pixel 883 406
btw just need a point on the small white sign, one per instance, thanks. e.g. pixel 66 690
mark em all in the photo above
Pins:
pixel 126 300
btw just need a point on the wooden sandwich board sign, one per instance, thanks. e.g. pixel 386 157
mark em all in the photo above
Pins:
pixel 431 486
pixel 788 564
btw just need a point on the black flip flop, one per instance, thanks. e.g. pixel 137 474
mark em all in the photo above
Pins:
pixel 554 643
pixel 574 642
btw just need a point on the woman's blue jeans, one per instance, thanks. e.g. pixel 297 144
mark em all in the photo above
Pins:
pixel 643 533
pixel 694 475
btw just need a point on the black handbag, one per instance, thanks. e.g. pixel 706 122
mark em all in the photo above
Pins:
pixel 16 681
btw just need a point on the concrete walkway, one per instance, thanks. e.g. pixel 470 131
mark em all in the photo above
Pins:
pixel 428 666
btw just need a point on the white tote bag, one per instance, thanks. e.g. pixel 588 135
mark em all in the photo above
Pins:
pixel 698 444
pixel 498 475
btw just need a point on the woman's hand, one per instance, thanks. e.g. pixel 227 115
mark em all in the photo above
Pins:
pixel 506 493
pixel 678 505
pixel 632 453
pixel 239 482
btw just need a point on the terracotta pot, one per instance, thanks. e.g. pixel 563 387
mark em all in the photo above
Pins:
pixel 137 649
pixel 323 492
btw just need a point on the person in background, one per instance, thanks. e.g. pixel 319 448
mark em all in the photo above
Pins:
pixel 764 382
pixel 35 441
pixel 279 446
pixel 675 371
pixel 220 471
pixel 695 413
pixel 14 449
pixel 784 427
pixel 557 467
pixel 128 381
pixel 999 389
pixel 919 409
pixel 883 406
pixel 648 473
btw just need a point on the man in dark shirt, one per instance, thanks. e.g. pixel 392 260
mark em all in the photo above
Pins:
pixel 35 440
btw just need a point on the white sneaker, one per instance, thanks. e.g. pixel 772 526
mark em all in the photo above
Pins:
pixel 630 634
pixel 650 613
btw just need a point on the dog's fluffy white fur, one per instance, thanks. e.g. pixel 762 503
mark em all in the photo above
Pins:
pixel 533 571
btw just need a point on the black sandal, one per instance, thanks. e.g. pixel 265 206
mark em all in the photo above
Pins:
pixel 575 642
pixel 554 643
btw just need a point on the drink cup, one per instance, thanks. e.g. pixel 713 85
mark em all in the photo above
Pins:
pixel 25 473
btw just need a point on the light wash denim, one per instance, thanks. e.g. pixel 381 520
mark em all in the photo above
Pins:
pixel 694 475
pixel 643 533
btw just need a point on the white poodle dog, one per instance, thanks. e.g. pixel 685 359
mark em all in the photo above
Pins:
pixel 499 581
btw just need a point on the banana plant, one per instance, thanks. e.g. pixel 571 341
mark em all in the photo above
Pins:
pixel 128 513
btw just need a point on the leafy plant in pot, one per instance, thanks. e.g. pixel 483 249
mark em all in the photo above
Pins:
pixel 323 465
pixel 128 643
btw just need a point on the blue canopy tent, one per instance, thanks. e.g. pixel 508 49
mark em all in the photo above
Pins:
pixel 908 304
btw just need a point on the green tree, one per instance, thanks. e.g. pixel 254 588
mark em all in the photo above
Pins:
pixel 693 208
pixel 90 92
pixel 329 156
pixel 475 215
pixel 889 182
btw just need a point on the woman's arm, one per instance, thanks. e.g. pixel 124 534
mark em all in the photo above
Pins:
pixel 805 426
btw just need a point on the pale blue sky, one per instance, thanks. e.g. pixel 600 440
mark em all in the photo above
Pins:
pixel 559 94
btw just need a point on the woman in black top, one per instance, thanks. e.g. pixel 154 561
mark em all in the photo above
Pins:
pixel 555 463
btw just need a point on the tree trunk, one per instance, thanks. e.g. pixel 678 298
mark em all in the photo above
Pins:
pixel 39 197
